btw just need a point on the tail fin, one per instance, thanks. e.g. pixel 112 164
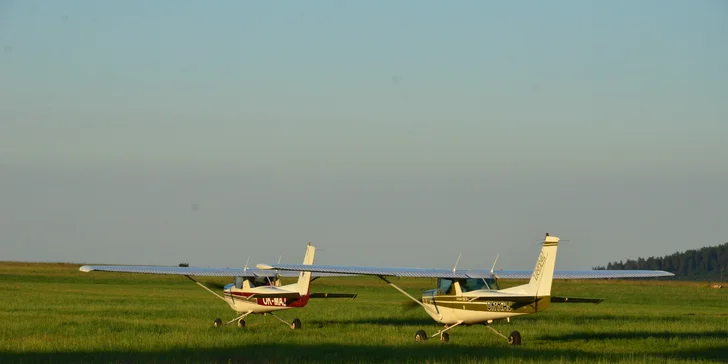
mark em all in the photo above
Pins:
pixel 304 278
pixel 543 273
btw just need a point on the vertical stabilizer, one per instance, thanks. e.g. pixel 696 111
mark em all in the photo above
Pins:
pixel 543 273
pixel 304 278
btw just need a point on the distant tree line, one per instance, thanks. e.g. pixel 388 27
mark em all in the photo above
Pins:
pixel 709 263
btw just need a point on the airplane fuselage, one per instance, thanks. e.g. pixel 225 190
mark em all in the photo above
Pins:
pixel 479 307
pixel 243 301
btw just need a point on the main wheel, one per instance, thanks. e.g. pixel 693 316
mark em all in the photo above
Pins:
pixel 217 322
pixel 445 337
pixel 296 324
pixel 420 335
pixel 515 338
pixel 241 323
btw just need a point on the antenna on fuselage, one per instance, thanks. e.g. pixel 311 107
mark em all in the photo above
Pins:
pixel 495 261
pixel 456 262
pixel 278 274
pixel 245 269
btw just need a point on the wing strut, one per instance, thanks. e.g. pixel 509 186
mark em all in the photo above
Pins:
pixel 208 290
pixel 410 296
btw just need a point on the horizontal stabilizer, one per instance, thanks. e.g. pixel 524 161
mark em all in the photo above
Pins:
pixel 333 295
pixel 275 295
pixel 576 300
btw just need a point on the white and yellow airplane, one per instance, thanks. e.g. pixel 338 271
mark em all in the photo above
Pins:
pixel 253 291
pixel 467 297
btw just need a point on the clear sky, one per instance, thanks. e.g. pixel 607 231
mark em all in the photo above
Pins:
pixel 384 132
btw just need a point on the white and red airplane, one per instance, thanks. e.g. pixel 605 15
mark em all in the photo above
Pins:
pixel 253 291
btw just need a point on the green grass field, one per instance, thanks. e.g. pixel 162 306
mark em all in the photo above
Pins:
pixel 54 313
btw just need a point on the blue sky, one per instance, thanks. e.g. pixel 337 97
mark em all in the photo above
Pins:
pixel 421 128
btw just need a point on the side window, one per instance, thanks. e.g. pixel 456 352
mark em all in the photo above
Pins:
pixel 493 284
pixel 444 285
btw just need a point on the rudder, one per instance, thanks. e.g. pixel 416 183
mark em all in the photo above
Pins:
pixel 543 273
pixel 304 278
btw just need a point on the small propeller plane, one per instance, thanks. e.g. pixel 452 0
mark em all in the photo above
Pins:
pixel 468 297
pixel 253 291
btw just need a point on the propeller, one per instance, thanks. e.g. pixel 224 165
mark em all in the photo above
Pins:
pixel 214 284
pixel 410 305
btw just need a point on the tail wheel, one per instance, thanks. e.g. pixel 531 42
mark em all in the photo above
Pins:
pixel 420 335
pixel 296 324
pixel 445 337
pixel 515 338
pixel 241 323
pixel 217 322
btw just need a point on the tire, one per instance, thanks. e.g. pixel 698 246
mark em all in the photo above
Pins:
pixel 296 324
pixel 241 323
pixel 420 335
pixel 445 337
pixel 217 322
pixel 514 338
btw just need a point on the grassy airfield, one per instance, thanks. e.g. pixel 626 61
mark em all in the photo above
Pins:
pixel 54 313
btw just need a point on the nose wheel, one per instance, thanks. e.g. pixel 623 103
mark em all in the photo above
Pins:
pixel 444 335
pixel 420 335
pixel 240 320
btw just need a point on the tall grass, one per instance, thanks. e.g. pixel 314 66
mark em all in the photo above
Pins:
pixel 53 312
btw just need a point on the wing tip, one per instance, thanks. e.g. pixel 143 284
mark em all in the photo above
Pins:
pixel 85 268
pixel 264 266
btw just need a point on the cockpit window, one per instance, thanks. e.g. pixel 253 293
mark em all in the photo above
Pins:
pixel 444 285
pixel 262 281
pixel 473 284
pixel 492 283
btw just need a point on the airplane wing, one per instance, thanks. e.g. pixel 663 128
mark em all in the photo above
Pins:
pixel 375 271
pixel 195 271
pixel 445 273
pixel 584 274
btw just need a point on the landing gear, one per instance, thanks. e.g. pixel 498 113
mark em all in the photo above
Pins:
pixel 240 320
pixel 444 335
pixel 514 338
pixel 296 324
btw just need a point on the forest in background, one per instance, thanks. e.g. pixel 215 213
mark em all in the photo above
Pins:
pixel 708 263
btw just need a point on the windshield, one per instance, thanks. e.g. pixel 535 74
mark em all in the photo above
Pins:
pixel 445 286
pixel 473 284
